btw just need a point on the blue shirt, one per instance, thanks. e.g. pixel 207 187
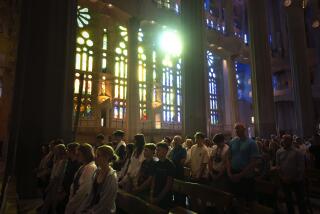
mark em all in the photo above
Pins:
pixel 176 155
pixel 242 151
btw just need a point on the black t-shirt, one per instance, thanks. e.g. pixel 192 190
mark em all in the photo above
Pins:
pixel 71 169
pixel 163 170
pixel 121 152
pixel 315 151
pixel 146 170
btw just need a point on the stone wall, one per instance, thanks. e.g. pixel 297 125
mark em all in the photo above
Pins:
pixel 9 25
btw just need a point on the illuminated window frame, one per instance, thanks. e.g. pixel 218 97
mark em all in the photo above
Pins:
pixel 213 61
pixel 142 78
pixel 120 74
pixel 84 66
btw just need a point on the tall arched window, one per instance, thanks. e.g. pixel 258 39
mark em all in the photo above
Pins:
pixel 104 63
pixel 120 75
pixel 212 77
pixel 243 75
pixel 171 90
pixel 142 75
pixel 83 64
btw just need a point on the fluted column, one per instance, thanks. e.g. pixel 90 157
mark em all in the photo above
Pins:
pixel 299 68
pixel 231 94
pixel 132 112
pixel 149 80
pixel 261 69
pixel 42 103
pixel 195 114
pixel 229 17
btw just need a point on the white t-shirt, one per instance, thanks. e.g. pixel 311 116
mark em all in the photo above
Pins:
pixel 219 157
pixel 199 156
pixel 135 165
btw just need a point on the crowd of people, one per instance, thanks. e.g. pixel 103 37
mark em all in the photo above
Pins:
pixel 84 178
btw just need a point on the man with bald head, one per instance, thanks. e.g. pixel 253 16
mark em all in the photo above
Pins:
pixel 243 154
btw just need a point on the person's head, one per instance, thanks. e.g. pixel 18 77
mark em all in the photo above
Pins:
pixel 139 141
pixel 240 130
pixel 208 143
pixel 149 150
pixel 189 143
pixel 72 150
pixel 118 135
pixel 286 141
pixel 299 140
pixel 105 155
pixel 167 140
pixel 52 144
pixel 177 141
pixel 199 138
pixel 60 152
pixel 218 139
pixel 85 153
pixel 162 150
pixel 99 139
pixel 44 149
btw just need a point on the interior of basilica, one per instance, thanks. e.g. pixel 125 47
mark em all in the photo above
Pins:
pixel 78 69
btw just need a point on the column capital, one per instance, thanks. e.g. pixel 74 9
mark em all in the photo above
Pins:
pixel 134 23
pixel 294 3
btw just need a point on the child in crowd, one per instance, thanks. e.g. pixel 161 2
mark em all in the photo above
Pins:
pixel 162 179
pixel 142 187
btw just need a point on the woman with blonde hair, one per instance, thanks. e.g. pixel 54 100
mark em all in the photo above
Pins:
pixel 105 185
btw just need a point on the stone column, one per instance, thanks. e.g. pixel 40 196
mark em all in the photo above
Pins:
pixel 193 69
pixel 149 79
pixel 231 93
pixel 299 69
pixel 261 69
pixel 228 19
pixel 315 8
pixel 42 103
pixel 132 110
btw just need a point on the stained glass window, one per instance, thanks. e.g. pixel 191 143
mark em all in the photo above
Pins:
pixel 120 74
pixel 104 62
pixel 169 4
pixel 171 90
pixel 243 76
pixel 84 64
pixel 179 90
pixel 142 74
pixel 214 13
pixel 212 77
pixel 83 16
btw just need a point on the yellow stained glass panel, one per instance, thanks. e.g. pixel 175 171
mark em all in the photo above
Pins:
pixel 78 61
pixel 90 63
pixel 84 61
